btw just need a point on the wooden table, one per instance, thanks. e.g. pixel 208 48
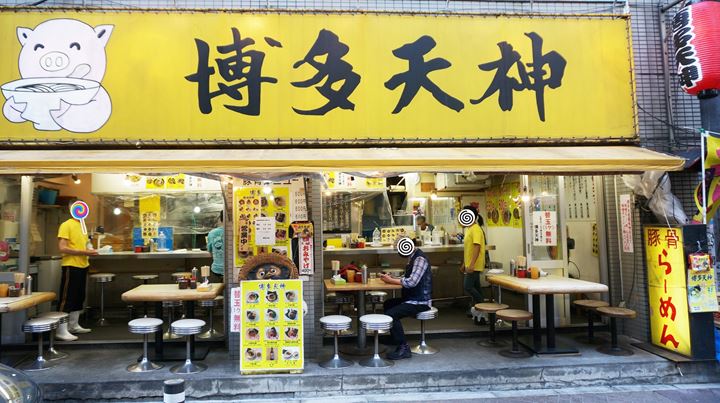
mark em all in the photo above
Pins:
pixel 158 293
pixel 548 286
pixel 373 284
pixel 14 304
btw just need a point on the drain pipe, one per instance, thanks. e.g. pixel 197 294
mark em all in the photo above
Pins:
pixel 619 240
pixel 666 75
pixel 26 198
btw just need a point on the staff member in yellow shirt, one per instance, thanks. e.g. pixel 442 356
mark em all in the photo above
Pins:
pixel 73 245
pixel 474 259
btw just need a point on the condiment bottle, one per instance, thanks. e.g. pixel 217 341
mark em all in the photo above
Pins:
pixel 364 274
pixel 28 285
pixel 194 274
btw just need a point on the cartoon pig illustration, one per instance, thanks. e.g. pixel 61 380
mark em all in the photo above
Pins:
pixel 62 64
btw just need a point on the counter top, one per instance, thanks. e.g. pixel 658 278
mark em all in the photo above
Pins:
pixel 170 292
pixel 152 255
pixel 12 304
pixel 546 285
pixel 387 250
pixel 374 284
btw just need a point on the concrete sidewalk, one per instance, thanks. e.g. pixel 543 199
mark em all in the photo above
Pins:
pixel 98 373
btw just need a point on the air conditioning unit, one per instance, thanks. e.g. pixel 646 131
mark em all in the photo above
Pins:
pixel 464 181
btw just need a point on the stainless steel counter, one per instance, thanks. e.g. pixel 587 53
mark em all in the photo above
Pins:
pixel 152 255
pixel 387 250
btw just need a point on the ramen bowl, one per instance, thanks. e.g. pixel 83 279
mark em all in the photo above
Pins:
pixel 43 95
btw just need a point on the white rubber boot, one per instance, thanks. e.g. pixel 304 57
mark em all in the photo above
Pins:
pixel 62 333
pixel 74 326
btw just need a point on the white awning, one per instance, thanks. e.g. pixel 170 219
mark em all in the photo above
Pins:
pixel 560 160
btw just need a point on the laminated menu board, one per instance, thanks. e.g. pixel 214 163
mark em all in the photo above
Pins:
pixel 271 331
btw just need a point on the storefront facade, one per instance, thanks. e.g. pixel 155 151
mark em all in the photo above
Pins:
pixel 598 101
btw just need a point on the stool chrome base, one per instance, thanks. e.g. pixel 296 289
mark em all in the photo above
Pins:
pixel 619 351
pixel 144 366
pixel 337 362
pixel 210 334
pixel 102 322
pixel 515 354
pixel 492 344
pixel 53 354
pixel 188 367
pixel 168 335
pixel 375 362
pixel 423 349
pixel 38 364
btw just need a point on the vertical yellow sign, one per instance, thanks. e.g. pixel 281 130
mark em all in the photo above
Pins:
pixel 271 338
pixel 667 292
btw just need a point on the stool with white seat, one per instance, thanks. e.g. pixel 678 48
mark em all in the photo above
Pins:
pixel 171 306
pixel 145 278
pixel 62 317
pixel 102 278
pixel 423 348
pixel 210 305
pixel 144 326
pixel 39 326
pixel 491 309
pixel 188 328
pixel 336 324
pixel 514 315
pixel 376 297
pixel 376 324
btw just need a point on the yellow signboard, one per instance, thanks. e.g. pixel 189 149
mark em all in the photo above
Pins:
pixel 311 78
pixel 271 336
pixel 669 320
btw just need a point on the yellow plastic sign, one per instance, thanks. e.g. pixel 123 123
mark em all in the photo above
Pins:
pixel 276 77
pixel 271 338
pixel 667 292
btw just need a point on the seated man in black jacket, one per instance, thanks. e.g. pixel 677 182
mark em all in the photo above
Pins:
pixel 416 297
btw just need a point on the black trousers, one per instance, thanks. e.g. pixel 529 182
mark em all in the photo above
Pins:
pixel 397 309
pixel 72 289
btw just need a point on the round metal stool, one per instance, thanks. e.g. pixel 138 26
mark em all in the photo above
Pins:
pixel 171 306
pixel 144 326
pixel 376 297
pixel 514 315
pixel 102 278
pixel 376 324
pixel 335 324
pixel 590 306
pixel 145 278
pixel 188 328
pixel 211 332
pixel 62 317
pixel 423 348
pixel 39 326
pixel 615 313
pixel 491 309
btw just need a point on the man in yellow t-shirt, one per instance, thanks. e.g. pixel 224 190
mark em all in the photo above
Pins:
pixel 74 250
pixel 474 257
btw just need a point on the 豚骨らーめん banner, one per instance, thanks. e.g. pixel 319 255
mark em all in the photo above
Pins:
pixel 191 77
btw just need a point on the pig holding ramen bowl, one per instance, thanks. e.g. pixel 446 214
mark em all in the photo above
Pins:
pixel 62 63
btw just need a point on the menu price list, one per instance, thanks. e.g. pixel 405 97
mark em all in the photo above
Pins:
pixel 271 332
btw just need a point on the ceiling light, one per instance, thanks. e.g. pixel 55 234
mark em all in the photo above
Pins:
pixel 433 195
pixel 525 195
pixel 196 209
pixel 267 189
pixel 75 179
pixel 117 211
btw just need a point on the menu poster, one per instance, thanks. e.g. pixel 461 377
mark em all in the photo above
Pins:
pixel 271 338
pixel 149 216
pixel 580 198
pixel 246 206
pixel 544 228
pixel 502 206
pixel 702 296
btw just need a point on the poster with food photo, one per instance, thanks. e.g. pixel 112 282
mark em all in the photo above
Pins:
pixel 271 333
